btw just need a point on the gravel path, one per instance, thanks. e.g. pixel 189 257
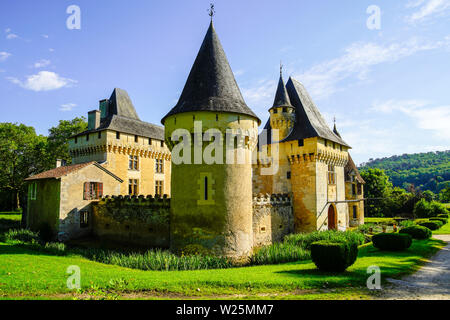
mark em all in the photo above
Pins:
pixel 431 282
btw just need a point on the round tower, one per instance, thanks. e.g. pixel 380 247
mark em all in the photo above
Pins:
pixel 211 133
pixel 282 113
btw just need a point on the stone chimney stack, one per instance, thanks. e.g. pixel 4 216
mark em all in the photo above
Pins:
pixel 93 119
pixel 59 163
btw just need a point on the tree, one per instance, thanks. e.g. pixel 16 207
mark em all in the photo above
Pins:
pixel 429 195
pixel 378 188
pixel 444 195
pixel 22 153
pixel 58 139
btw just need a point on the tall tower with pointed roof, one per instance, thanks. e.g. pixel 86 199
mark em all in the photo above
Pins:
pixel 211 204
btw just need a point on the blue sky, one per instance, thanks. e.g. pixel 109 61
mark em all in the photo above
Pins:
pixel 388 88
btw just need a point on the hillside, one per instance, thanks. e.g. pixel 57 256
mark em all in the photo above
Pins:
pixel 428 171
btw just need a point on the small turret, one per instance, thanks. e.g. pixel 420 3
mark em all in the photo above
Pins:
pixel 282 113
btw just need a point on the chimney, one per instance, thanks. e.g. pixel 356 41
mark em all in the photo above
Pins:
pixel 104 104
pixel 93 120
pixel 59 163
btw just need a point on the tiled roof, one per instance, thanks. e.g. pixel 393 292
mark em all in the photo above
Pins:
pixel 59 172
pixel 351 166
pixel 121 116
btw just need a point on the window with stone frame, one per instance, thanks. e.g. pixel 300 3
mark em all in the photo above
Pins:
pixel 92 190
pixel 359 189
pixel 133 187
pixel 353 189
pixel 133 163
pixel 331 175
pixel 159 166
pixel 159 188
pixel 355 212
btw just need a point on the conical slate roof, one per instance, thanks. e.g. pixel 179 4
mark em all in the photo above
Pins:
pixel 309 122
pixel 281 97
pixel 211 85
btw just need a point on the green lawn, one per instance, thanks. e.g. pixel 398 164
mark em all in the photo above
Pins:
pixel 31 273
pixel 444 230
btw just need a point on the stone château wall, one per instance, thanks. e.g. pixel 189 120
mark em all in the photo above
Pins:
pixel 140 221
pixel 273 218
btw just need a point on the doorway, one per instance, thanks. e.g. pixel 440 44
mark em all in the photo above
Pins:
pixel 332 223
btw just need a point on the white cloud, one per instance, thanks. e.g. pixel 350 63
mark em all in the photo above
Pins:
pixel 7 30
pixel 427 116
pixel 10 36
pixel 45 36
pixel 428 9
pixel 67 107
pixel 43 81
pixel 42 63
pixel 4 55
pixel 51 50
pixel 322 80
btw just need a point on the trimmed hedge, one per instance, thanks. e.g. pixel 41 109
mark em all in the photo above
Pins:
pixel 432 225
pixel 333 256
pixel 392 241
pixel 417 232
pixel 442 216
pixel 443 220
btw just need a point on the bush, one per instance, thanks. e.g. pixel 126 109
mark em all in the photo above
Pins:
pixel 442 216
pixel 333 256
pixel 279 253
pixel 392 241
pixel 425 209
pixel 305 240
pixel 407 224
pixel 443 220
pixel 432 225
pixel 417 232
pixel 22 235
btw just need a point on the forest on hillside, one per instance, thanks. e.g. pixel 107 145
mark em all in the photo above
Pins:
pixel 426 171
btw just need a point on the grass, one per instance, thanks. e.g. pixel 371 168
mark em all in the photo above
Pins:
pixel 445 229
pixel 28 273
pixel 25 271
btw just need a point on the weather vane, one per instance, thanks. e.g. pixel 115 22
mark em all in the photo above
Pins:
pixel 334 119
pixel 211 11
pixel 281 68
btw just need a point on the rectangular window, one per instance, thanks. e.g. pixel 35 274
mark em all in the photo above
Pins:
pixel 100 135
pixel 118 135
pixel 353 189
pixel 331 175
pixel 87 137
pixel 289 175
pixel 93 190
pixel 326 143
pixel 133 163
pixel 206 188
pixel 76 139
pixel 355 212
pixel 133 187
pixel 136 139
pixel 301 143
pixel 149 141
pixel 159 166
pixel 159 188
pixel 359 189
pixel 84 219
pixel 162 144
pixel 32 188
